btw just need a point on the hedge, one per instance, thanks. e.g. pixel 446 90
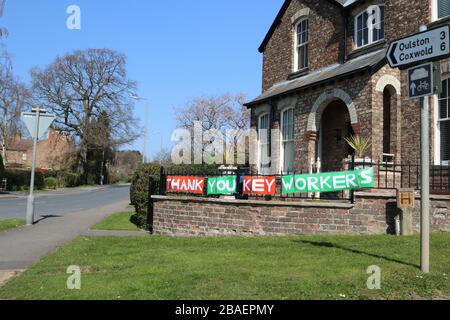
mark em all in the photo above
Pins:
pixel 2 168
pixel 139 192
pixel 18 180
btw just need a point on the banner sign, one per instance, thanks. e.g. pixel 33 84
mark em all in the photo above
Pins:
pixel 222 185
pixel 260 186
pixel 193 185
pixel 328 182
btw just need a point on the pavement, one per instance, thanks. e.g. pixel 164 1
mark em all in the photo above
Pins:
pixel 62 218
pixel 63 201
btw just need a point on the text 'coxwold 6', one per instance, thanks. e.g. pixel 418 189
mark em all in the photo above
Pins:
pixel 423 46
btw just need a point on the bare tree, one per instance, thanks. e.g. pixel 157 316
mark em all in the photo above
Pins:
pixel 224 113
pixel 13 96
pixel 163 157
pixel 80 88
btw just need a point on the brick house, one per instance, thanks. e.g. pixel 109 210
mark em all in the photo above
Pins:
pixel 325 77
pixel 52 153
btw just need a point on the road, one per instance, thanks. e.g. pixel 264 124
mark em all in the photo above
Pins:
pixel 62 203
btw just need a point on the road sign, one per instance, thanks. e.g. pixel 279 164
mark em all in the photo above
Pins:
pixel 37 123
pixel 424 46
pixel 405 198
pixel 45 121
pixel 421 81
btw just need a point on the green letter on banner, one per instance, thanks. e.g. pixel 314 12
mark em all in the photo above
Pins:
pixel 222 185
pixel 329 182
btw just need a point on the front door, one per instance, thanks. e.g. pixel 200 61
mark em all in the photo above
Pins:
pixel 335 128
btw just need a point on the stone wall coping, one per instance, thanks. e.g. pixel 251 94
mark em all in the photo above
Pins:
pixel 298 204
pixel 393 195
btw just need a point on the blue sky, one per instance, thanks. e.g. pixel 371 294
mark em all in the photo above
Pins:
pixel 176 50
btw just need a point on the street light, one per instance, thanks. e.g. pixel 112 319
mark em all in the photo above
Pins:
pixel 138 98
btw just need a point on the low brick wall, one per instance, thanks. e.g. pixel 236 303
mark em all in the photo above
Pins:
pixel 371 214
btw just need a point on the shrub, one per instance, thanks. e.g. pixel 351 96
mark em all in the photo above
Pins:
pixel 20 180
pixel 139 192
pixel 68 179
pixel 51 183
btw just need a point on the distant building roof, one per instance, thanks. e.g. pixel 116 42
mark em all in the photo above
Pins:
pixel 368 61
pixel 21 145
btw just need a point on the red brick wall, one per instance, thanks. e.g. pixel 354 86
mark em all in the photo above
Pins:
pixel 207 217
pixel 325 45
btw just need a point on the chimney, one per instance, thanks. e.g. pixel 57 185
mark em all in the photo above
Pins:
pixel 17 136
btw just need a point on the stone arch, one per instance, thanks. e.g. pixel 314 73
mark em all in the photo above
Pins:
pixel 322 102
pixel 387 80
pixel 300 14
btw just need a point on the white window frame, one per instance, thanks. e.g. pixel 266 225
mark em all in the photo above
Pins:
pixel 282 139
pixel 297 46
pixel 435 11
pixel 260 144
pixel 437 127
pixel 370 40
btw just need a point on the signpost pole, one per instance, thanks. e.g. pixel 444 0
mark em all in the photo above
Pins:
pixel 30 203
pixel 425 190
pixel 425 176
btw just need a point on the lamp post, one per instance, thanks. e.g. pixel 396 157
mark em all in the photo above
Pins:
pixel 138 98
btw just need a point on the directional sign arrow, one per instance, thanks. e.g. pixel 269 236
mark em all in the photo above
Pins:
pixel 430 45
pixel 413 88
pixel 391 54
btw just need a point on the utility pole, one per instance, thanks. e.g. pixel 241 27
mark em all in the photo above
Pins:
pixel 147 107
pixel 144 157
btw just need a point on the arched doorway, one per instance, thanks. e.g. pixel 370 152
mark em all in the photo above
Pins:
pixel 335 127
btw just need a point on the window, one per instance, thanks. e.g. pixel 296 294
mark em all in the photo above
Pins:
pixel 301 44
pixel 24 157
pixel 287 141
pixel 369 26
pixel 263 141
pixel 444 121
pixel 441 9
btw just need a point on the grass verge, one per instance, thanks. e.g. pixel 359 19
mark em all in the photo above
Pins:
pixel 121 221
pixel 286 268
pixel 9 224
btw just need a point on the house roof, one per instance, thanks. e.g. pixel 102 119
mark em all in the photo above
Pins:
pixel 339 3
pixel 21 145
pixel 370 61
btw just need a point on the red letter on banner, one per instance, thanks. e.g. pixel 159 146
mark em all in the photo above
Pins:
pixel 265 186
pixel 185 184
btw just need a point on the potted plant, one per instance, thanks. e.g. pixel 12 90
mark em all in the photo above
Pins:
pixel 360 145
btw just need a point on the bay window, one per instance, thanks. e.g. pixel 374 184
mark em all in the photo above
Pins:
pixel 444 122
pixel 287 141
pixel 263 141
